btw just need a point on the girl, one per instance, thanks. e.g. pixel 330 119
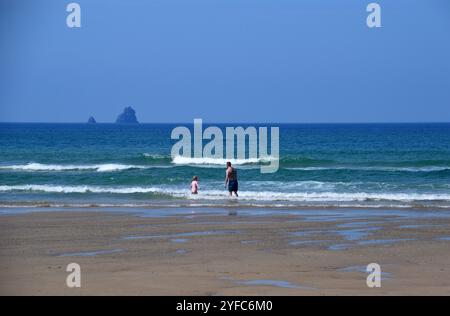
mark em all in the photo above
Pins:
pixel 194 185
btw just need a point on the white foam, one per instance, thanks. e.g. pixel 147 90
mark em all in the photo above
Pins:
pixel 116 167
pixel 385 169
pixel 327 196
pixel 32 166
pixel 268 196
pixel 155 156
pixel 79 189
pixel 180 160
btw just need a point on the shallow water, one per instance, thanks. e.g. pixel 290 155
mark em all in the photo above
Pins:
pixel 190 234
pixel 357 224
pixel 356 234
pixel 247 242
pixel 307 242
pixel 179 240
pixel 447 238
pixel 338 247
pixel 347 234
pixel 363 269
pixel 384 241
pixel 277 283
pixel 90 253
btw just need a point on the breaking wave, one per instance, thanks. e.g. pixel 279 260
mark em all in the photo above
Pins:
pixel 180 160
pixel 108 167
pixel 384 169
pixel 244 195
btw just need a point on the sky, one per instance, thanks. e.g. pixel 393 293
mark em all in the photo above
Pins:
pixel 303 61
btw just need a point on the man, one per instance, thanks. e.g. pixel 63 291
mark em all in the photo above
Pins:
pixel 231 179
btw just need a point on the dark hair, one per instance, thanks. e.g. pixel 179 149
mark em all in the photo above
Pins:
pixel 228 164
pixel 195 178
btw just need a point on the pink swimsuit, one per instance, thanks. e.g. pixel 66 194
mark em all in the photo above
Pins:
pixel 194 187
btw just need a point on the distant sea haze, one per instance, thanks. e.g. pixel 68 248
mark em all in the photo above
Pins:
pixel 321 165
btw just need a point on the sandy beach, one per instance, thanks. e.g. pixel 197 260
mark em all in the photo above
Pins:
pixel 225 252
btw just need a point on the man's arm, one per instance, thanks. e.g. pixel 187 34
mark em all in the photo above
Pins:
pixel 226 177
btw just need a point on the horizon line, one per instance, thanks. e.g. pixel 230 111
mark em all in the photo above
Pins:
pixel 211 122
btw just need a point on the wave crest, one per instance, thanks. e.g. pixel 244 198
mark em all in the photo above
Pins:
pixel 244 195
pixel 180 160
pixel 382 169
pixel 32 166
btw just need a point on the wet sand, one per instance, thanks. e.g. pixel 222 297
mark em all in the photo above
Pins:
pixel 222 252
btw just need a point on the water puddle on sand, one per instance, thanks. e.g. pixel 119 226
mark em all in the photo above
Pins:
pixel 338 247
pixel 90 253
pixel 268 282
pixel 179 240
pixel 190 234
pixel 416 226
pixel 241 222
pixel 307 242
pixel 446 238
pixel 384 241
pixel 307 233
pixel 347 234
pixel 322 219
pixel 412 226
pixel 249 242
pixel 277 283
pixel 363 269
pixel 181 251
pixel 357 224
pixel 356 234
pixel 359 237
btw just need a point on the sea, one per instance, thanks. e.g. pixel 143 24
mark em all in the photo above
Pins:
pixel 320 166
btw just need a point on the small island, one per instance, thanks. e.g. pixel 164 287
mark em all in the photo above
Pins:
pixel 92 120
pixel 128 116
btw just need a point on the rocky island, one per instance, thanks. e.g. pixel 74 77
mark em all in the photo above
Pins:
pixel 128 116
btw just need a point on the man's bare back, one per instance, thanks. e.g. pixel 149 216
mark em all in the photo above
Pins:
pixel 231 179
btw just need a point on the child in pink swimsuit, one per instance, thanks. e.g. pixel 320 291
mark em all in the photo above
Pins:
pixel 194 185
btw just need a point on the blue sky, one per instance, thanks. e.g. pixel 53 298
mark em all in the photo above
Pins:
pixel 225 61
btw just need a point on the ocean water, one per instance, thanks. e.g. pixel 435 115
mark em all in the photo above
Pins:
pixel 321 165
